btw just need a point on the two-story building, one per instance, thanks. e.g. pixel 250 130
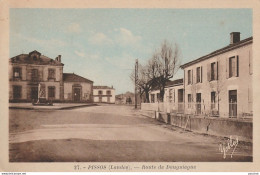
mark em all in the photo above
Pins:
pixel 33 76
pixel 104 94
pixel 220 83
pixel 29 72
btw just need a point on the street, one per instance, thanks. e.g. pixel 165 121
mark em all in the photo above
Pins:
pixel 109 133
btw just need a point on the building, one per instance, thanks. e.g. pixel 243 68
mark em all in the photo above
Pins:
pixel 174 96
pixel 77 88
pixel 33 76
pixel 126 98
pixel 104 94
pixel 27 71
pixel 220 83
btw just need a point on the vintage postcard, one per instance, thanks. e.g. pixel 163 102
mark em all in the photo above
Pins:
pixel 120 86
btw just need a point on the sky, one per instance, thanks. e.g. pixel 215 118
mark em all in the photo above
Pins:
pixel 103 44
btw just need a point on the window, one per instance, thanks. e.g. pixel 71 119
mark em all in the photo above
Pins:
pixel 213 71
pixel 199 74
pixel 34 74
pixel 51 92
pixel 17 92
pixel 51 74
pixel 100 92
pixel 189 100
pixel 213 100
pixel 158 97
pixel 189 77
pixel 152 98
pixel 232 67
pixel 108 92
pixel 17 72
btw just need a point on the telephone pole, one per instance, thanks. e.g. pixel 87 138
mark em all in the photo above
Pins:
pixel 136 78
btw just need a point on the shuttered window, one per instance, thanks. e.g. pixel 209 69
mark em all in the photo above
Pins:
pixel 232 66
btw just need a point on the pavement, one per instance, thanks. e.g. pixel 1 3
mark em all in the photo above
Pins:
pixel 56 106
pixel 110 133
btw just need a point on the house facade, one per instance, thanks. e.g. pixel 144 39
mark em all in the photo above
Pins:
pixel 220 83
pixel 77 88
pixel 33 76
pixel 174 96
pixel 103 94
pixel 29 71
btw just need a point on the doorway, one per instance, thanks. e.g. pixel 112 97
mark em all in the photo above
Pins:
pixel 34 93
pixel 198 103
pixel 76 94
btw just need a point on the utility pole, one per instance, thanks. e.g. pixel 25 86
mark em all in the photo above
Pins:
pixel 136 78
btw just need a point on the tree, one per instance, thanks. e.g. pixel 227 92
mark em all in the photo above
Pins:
pixel 144 82
pixel 164 64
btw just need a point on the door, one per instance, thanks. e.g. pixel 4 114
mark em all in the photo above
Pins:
pixel 198 103
pixel 76 94
pixel 232 103
pixel 34 93
pixel 100 98
pixel 108 99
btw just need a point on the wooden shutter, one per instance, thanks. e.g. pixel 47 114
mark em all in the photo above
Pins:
pixel 201 74
pixel 237 66
pixel 208 71
pixel 217 70
pixel 227 67
pixel 192 76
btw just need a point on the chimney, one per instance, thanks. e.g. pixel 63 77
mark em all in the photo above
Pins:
pixel 234 37
pixel 59 58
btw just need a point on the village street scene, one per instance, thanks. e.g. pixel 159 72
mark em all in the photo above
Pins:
pixel 131 85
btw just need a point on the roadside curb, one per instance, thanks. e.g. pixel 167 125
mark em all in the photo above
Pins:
pixel 49 108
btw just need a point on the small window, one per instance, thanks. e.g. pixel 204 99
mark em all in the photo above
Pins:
pixel 51 91
pixel 17 92
pixel 199 74
pixel 51 73
pixel 100 92
pixel 233 66
pixel 17 72
pixel 213 71
pixel 34 74
pixel 189 76
pixel 108 92
pixel 158 97
pixel 152 98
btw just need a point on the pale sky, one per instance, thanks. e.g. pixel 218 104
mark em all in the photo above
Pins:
pixel 102 44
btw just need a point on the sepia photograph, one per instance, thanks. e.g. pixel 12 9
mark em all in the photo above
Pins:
pixel 130 85
pixel 164 86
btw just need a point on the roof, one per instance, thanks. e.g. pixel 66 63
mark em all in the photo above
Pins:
pixel 34 57
pixel 220 51
pixel 102 87
pixel 174 83
pixel 71 77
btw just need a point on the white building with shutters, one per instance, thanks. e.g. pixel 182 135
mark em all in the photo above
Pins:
pixel 220 83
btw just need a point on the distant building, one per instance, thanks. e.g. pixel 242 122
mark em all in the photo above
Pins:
pixel 220 83
pixel 34 75
pixel 77 88
pixel 126 98
pixel 103 94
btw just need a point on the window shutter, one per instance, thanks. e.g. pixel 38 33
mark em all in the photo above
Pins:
pixel 201 74
pixel 192 76
pixel 217 70
pixel 237 66
pixel 208 71
pixel 227 67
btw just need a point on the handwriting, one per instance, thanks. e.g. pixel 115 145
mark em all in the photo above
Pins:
pixel 224 147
